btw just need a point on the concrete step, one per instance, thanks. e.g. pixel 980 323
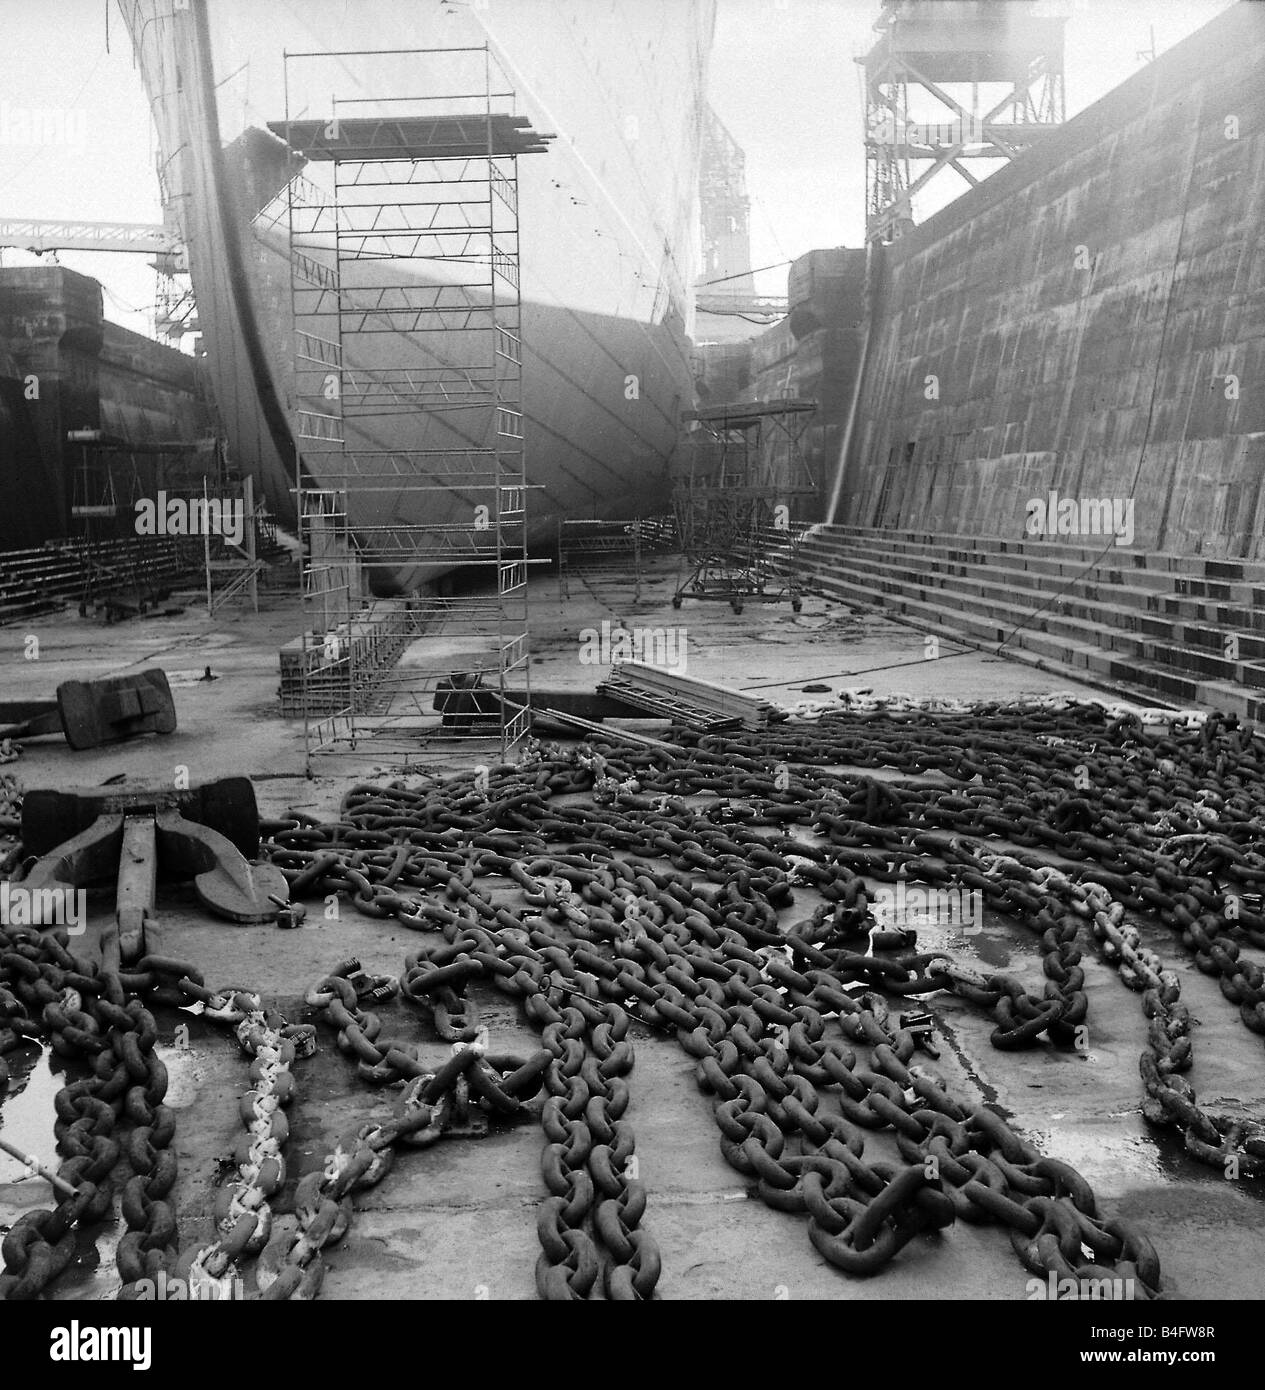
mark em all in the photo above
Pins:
pixel 35 580
pixel 1154 590
pixel 12 612
pixel 1125 629
pixel 1078 648
pixel 1140 561
pixel 1078 660
pixel 1208 623
pixel 1241 613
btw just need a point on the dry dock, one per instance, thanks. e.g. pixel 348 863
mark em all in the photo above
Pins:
pixel 458 1220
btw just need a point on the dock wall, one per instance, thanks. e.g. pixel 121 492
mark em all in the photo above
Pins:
pixel 64 367
pixel 1089 321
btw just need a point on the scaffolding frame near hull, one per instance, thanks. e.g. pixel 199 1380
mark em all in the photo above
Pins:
pixel 587 548
pixel 417 238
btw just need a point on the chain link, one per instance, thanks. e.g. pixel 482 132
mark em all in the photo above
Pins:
pixel 1064 816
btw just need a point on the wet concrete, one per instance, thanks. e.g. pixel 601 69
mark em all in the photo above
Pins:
pixel 458 1220
pixel 26 1120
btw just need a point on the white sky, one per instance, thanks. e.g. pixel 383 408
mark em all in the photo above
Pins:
pixel 784 82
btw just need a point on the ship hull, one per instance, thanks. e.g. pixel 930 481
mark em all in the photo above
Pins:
pixel 605 310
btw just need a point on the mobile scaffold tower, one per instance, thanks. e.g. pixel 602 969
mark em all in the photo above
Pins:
pixel 404 254
pixel 746 468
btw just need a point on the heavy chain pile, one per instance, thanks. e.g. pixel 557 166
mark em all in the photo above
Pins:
pixel 10 814
pixel 1159 821
pixel 87 1014
pixel 94 1017
pixel 660 889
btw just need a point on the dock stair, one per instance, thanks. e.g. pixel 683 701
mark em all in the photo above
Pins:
pixel 45 578
pixel 1163 628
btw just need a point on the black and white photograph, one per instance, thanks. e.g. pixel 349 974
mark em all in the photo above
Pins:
pixel 631 637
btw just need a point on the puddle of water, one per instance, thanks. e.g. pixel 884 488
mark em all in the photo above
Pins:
pixel 27 1119
pixel 27 1116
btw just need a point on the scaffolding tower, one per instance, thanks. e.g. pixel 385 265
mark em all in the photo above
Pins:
pixel 405 291
pixel 925 113
pixel 746 469
pixel 591 548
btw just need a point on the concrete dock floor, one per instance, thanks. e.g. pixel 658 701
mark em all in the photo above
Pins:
pixel 458 1220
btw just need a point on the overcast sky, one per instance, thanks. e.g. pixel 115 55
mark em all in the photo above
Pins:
pixel 786 84
pixel 784 81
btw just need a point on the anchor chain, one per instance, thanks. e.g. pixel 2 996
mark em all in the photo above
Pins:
pixel 1112 797
pixel 1063 815
pixel 86 1015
